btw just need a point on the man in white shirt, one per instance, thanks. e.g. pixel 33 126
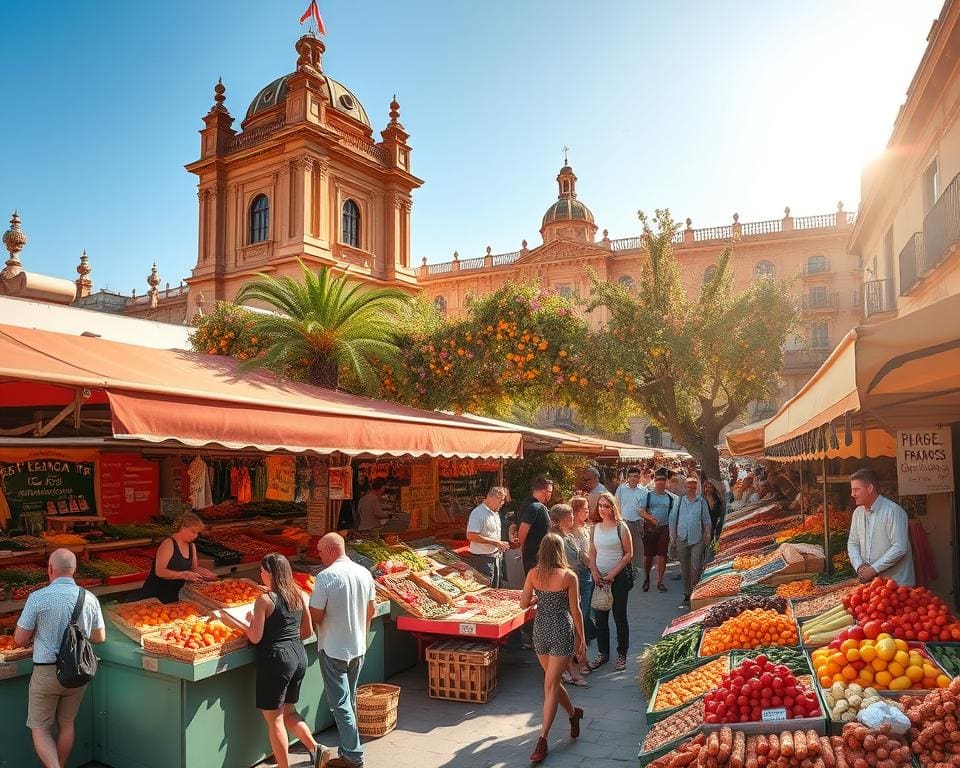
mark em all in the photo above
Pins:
pixel 45 616
pixel 342 607
pixel 631 498
pixel 484 533
pixel 371 514
pixel 879 544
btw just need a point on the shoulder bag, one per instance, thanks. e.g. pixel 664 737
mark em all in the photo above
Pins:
pixel 631 575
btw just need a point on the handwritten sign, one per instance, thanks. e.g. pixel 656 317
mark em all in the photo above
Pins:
pixel 924 461
pixel 468 629
pixel 773 715
pixel 49 483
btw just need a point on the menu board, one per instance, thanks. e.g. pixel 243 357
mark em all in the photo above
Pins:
pixel 129 487
pixel 48 483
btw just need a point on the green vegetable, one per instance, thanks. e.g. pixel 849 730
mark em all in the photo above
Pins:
pixel 948 656
pixel 792 658
pixel 668 655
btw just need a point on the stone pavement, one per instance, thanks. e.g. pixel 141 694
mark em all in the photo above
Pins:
pixel 447 734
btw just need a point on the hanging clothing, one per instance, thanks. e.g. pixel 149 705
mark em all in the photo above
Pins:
pixel 281 478
pixel 244 490
pixel 235 482
pixel 200 496
pixel 259 482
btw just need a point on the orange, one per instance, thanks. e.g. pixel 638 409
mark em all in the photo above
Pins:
pixel 878 664
pixel 868 653
pixel 895 669
pixel 943 681
pixel 853 655
pixel 902 658
pixel 849 673
pixel 914 673
pixel 883 679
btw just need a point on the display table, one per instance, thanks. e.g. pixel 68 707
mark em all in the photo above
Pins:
pixel 157 712
pixel 428 630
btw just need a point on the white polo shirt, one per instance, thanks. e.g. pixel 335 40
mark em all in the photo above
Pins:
pixel 486 522
pixel 343 590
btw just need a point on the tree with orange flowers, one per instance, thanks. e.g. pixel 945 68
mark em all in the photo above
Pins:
pixel 691 363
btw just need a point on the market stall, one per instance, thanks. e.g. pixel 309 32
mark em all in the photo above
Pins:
pixel 122 437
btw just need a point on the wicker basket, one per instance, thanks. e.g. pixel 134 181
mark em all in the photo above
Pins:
pixel 195 593
pixel 377 705
pixel 153 644
pixel 136 633
pixel 16 654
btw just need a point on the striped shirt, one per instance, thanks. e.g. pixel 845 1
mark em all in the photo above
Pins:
pixel 48 611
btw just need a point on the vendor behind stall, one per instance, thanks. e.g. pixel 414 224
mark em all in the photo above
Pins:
pixel 879 544
pixel 371 514
pixel 176 562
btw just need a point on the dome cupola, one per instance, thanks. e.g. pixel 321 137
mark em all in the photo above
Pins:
pixel 568 218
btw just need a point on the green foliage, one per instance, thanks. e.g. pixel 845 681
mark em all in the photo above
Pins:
pixel 562 468
pixel 326 327
pixel 692 363
pixel 228 330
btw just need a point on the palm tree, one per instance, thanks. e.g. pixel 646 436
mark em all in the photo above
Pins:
pixel 325 325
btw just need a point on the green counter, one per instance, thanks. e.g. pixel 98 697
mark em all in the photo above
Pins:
pixel 155 712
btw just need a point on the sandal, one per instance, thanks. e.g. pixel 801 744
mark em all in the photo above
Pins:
pixel 646 585
pixel 621 663
pixel 599 662
pixel 567 678
pixel 579 682
pixel 662 587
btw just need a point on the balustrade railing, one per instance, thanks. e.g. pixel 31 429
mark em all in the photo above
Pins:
pixel 820 301
pixel 255 135
pixel 911 263
pixel 436 269
pixel 471 263
pixel 805 359
pixel 713 233
pixel 761 227
pixel 878 297
pixel 499 259
pixel 819 221
pixel 627 244
pixel 941 227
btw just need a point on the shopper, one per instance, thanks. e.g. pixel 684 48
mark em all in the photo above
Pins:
pixel 715 505
pixel 534 525
pixel 485 534
pixel 557 632
pixel 278 625
pixel 371 514
pixel 562 517
pixel 611 552
pixel 879 544
pixel 43 620
pixel 176 561
pixel 342 607
pixel 656 529
pixel 632 498
pixel 690 532
pixel 579 537
pixel 590 482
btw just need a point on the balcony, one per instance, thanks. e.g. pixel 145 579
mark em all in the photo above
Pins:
pixel 818 303
pixel 817 268
pixel 941 227
pixel 878 298
pixel 800 360
pixel 911 262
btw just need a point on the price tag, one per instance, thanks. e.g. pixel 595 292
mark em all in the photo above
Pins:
pixel 222 665
pixel 7 671
pixel 772 715
pixel 151 663
pixel 468 629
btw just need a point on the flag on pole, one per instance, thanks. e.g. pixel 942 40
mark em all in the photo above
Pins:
pixel 313 13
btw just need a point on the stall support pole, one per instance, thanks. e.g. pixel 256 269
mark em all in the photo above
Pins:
pixel 826 523
pixel 803 501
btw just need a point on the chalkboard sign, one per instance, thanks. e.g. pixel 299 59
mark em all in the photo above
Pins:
pixel 49 484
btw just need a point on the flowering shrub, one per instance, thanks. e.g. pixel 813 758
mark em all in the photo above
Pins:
pixel 227 331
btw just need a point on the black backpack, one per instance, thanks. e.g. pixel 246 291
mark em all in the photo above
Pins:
pixel 76 661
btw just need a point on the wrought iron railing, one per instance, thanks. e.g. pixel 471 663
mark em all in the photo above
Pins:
pixel 805 359
pixel 878 297
pixel 820 301
pixel 911 263
pixel 817 267
pixel 941 227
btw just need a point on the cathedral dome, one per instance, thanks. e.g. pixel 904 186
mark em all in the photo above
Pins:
pixel 566 209
pixel 341 99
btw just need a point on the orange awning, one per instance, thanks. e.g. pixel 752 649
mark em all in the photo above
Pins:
pixel 194 399
pixel 901 373
pixel 746 441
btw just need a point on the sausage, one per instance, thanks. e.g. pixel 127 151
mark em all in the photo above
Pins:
pixel 786 744
pixel 826 753
pixel 738 755
pixel 726 745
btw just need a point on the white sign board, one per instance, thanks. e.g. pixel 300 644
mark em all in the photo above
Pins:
pixel 924 461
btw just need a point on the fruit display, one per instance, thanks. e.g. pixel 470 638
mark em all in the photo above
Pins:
pixel 228 593
pixel 764 571
pixel 305 581
pixel 755 685
pixel 464 582
pixel 844 702
pixel 881 662
pixel 793 659
pixel 685 687
pixel 246 545
pixel 10 651
pixel 728 609
pixel 748 562
pixel 390 566
pixel 112 568
pixel 934 728
pixel 754 628
pixel 672 727
pixel 863 746
pixel 194 640
pixel 413 597
pixel 724 585
pixel 138 530
pixel 828 625
pixel 152 613
pixel 910 613
pixel 689 619
pixel 12 545
pixel 667 655
pixel 141 559
pixel 378 552
pixel 64 539
pixel 21 580
pixel 220 554
pixel 758 590
pixel 798 588
pixel 30 542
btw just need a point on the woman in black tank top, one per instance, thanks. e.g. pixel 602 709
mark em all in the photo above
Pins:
pixel 176 562
pixel 279 623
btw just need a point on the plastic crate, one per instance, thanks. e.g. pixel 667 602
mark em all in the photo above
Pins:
pixel 462 670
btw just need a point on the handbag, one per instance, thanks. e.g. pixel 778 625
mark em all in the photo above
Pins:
pixel 602 599
pixel 631 574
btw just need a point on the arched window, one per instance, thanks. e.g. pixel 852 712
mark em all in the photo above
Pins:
pixel 653 437
pixel 627 282
pixel 708 273
pixel 441 304
pixel 351 224
pixel 259 219
pixel 817 264
pixel 764 269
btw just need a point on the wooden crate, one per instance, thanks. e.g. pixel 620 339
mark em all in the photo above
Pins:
pixel 462 670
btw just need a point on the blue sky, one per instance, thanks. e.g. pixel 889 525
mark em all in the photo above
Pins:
pixel 703 107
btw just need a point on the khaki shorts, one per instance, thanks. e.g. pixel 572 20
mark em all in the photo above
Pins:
pixel 50 702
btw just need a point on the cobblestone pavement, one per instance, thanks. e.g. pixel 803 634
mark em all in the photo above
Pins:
pixel 445 734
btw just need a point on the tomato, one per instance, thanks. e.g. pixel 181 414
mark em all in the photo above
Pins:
pixel 871 629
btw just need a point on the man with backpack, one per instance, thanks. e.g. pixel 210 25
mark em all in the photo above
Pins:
pixel 52 618
pixel 656 528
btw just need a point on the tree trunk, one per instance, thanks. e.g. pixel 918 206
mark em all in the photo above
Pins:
pixel 710 456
